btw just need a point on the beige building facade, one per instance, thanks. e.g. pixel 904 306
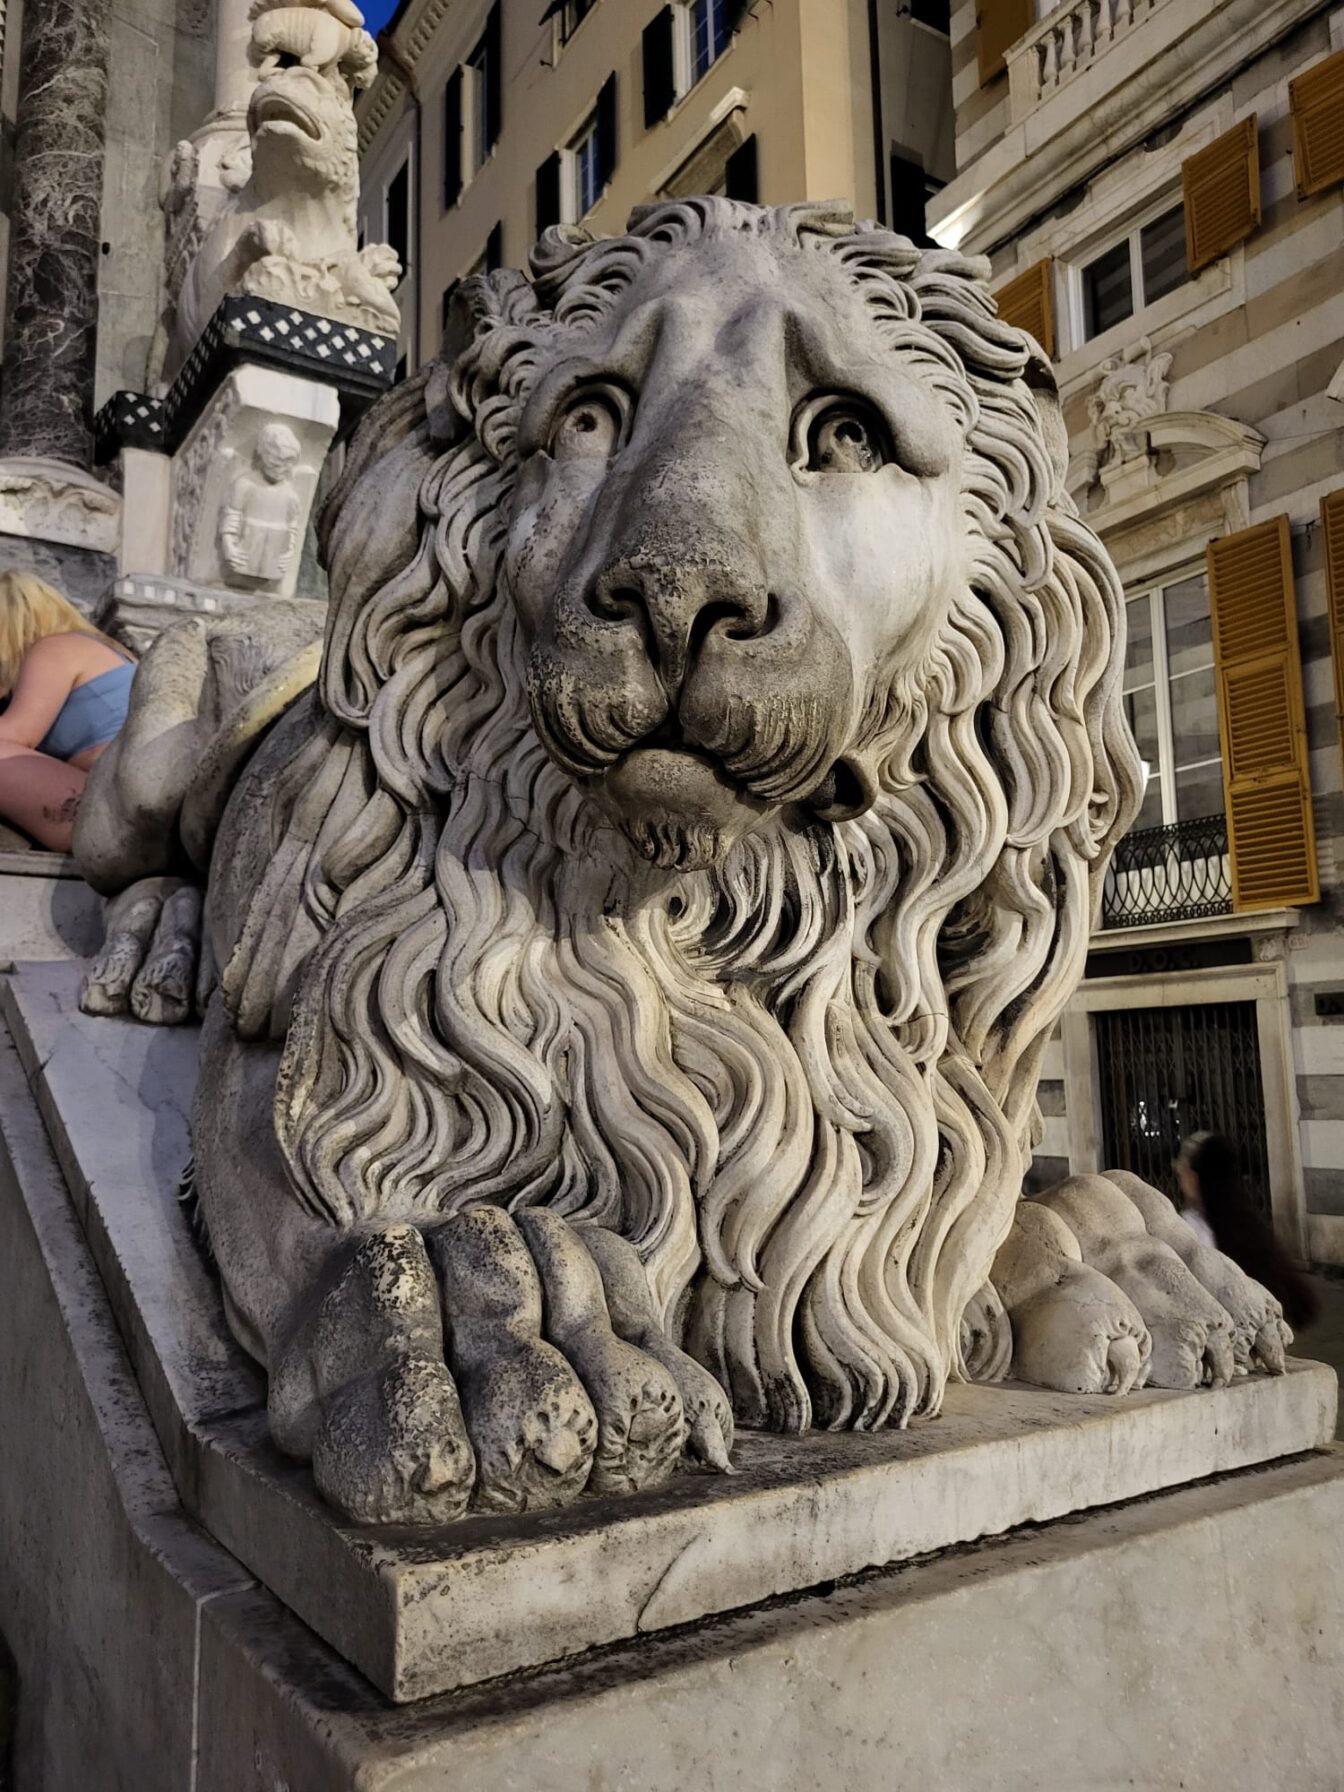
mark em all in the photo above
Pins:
pixel 490 120
pixel 1159 185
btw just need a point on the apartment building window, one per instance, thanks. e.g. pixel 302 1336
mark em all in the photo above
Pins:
pixel 1141 268
pixel 711 33
pixel 681 44
pixel 937 14
pixel 911 190
pixel 572 180
pixel 585 184
pixel 473 102
pixel 569 15
pixel 1171 699
pixel 397 219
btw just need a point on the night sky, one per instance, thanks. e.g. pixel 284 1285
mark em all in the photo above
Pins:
pixel 376 12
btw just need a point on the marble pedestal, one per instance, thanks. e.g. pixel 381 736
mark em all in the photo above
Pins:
pixel 865 1606
pixel 47 911
pixel 1193 1639
pixel 138 606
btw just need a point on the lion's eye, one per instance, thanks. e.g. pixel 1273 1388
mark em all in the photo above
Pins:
pixel 592 425
pixel 840 437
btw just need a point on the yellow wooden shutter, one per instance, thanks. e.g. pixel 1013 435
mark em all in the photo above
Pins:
pixel 1028 303
pixel 999 24
pixel 1317 99
pixel 1261 718
pixel 1332 532
pixel 1222 194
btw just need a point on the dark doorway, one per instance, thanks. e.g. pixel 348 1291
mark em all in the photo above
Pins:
pixel 1167 1072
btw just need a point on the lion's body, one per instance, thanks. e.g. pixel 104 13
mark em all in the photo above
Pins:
pixel 802 1079
pixel 767 997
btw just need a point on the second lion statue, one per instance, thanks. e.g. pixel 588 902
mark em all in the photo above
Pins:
pixel 637 947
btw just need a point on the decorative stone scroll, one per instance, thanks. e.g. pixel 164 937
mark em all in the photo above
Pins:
pixel 636 941
pixel 1132 390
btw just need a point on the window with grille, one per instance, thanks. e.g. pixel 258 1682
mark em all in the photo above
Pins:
pixel 1171 700
pixel 1142 267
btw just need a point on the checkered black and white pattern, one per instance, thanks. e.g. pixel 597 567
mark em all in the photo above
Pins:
pixel 360 364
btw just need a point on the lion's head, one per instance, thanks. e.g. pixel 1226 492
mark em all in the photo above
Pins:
pixel 300 117
pixel 715 760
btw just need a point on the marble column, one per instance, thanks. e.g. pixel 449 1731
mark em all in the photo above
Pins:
pixel 51 315
pixel 234 75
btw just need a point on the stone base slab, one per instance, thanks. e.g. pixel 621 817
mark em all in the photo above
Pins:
pixel 46 908
pixel 1194 1639
pixel 422 1613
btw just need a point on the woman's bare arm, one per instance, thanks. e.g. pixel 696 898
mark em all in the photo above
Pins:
pixel 46 678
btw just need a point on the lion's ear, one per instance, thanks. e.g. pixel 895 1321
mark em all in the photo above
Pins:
pixel 1040 380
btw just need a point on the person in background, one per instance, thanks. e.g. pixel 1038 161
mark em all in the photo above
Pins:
pixel 67 689
pixel 1219 1211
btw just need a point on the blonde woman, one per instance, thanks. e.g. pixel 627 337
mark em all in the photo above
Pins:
pixel 68 689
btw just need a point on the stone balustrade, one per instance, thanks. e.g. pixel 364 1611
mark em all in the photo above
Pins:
pixel 1069 38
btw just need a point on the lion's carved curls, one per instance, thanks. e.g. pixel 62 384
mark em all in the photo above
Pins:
pixel 802 1080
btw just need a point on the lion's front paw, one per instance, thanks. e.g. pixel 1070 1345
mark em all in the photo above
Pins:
pixel 268 236
pixel 150 959
pixel 1080 1335
pixel 392 1447
pixel 556 1400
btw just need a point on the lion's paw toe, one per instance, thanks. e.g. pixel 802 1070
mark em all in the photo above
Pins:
pixel 393 1449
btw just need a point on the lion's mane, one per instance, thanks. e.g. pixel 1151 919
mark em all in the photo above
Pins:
pixel 802 1082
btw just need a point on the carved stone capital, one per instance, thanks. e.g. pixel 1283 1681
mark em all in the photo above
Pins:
pixel 53 501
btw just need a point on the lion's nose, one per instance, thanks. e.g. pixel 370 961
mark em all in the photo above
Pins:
pixel 676 609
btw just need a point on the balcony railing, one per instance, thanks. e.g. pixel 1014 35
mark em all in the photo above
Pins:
pixel 1175 873
pixel 1064 42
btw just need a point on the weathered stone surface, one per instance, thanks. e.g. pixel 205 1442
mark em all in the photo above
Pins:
pixel 51 310
pixel 424 1612
pixel 638 854
pixel 103 1578
pixel 150 1663
pixel 46 908
pixel 1083 1655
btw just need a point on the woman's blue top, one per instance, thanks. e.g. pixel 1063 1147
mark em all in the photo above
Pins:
pixel 91 715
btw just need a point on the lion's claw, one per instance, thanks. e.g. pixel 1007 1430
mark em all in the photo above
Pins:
pixel 150 952
pixel 491 1376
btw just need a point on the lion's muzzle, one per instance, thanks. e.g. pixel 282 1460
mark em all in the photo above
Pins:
pixel 691 696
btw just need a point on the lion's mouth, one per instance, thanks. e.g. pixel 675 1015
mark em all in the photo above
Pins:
pixel 845 791
pixel 283 109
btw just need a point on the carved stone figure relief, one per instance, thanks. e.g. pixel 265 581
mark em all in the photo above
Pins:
pixel 1132 389
pixel 244 479
pixel 636 950
pixel 259 525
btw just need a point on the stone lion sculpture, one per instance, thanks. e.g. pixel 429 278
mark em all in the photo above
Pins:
pixel 637 948
pixel 289 231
